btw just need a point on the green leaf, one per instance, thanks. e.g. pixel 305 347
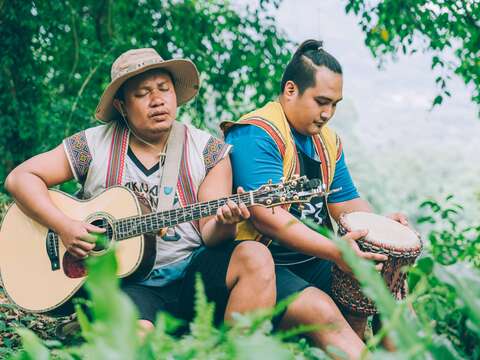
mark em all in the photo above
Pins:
pixel 113 332
pixel 425 264
pixel 426 219
pixel 432 204
pixel 466 282
pixel 32 346
pixel 438 100
pixel 259 346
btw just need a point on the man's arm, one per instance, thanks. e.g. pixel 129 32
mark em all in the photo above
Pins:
pixel 291 233
pixel 222 226
pixel 258 164
pixel 358 204
pixel 29 182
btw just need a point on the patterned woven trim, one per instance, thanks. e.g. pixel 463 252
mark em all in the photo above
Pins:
pixel 277 136
pixel 279 140
pixel 270 129
pixel 185 184
pixel 116 159
pixel 295 168
pixel 79 155
pixel 339 148
pixel 213 152
pixel 321 150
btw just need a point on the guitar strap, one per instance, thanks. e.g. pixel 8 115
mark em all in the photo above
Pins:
pixel 171 167
pixel 176 170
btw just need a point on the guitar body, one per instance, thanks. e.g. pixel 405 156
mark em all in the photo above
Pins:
pixel 27 271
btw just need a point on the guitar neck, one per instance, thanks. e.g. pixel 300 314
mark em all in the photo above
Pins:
pixel 151 223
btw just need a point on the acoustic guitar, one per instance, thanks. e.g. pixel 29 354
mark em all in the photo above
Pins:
pixel 39 275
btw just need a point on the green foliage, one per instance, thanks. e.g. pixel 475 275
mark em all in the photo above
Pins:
pixel 416 336
pixel 56 59
pixel 448 242
pixel 439 319
pixel 113 332
pixel 448 29
pixel 445 323
pixel 33 347
pixel 447 294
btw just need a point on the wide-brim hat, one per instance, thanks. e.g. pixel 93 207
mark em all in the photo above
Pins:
pixel 133 62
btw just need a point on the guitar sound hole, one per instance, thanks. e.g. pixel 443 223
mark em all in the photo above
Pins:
pixel 103 242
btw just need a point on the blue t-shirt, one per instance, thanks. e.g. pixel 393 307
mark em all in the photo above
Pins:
pixel 256 159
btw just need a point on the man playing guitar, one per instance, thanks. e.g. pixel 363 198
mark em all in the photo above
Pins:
pixel 138 109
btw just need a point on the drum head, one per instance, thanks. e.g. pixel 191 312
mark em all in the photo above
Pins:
pixel 382 231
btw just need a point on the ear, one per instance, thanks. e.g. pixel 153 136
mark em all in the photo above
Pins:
pixel 118 105
pixel 290 89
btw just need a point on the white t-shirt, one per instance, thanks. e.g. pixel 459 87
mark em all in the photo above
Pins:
pixel 88 151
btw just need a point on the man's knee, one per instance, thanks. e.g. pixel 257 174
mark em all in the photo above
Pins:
pixel 144 327
pixel 313 306
pixel 254 258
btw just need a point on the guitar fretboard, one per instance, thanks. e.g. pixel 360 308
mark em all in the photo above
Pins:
pixel 151 223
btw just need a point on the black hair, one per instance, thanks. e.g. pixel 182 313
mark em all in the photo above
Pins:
pixel 302 67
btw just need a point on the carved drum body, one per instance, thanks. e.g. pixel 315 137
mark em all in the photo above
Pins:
pixel 402 246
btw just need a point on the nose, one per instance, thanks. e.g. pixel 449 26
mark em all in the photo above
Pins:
pixel 156 98
pixel 326 113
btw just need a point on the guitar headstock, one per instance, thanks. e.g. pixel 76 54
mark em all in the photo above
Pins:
pixel 295 190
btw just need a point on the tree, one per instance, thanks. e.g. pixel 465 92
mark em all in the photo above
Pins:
pixel 448 29
pixel 56 58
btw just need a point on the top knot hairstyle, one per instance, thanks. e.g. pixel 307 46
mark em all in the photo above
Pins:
pixel 302 67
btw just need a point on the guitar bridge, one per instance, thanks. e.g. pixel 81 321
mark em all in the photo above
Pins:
pixel 51 244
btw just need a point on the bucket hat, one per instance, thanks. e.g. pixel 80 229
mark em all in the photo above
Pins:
pixel 134 62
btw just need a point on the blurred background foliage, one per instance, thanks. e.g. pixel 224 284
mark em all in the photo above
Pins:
pixel 56 55
pixel 449 30
pixel 56 58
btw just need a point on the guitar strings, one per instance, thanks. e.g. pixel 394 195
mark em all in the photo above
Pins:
pixel 126 229
pixel 135 225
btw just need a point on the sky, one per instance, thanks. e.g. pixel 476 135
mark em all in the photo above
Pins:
pixel 385 119
pixel 401 93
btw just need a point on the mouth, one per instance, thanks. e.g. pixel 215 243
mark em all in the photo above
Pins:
pixel 158 114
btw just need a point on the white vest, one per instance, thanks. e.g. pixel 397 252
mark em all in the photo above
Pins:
pixel 91 154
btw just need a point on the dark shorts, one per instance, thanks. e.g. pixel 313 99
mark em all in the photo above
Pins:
pixel 292 279
pixel 177 298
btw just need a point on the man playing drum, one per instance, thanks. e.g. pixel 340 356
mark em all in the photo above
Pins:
pixel 286 137
pixel 138 109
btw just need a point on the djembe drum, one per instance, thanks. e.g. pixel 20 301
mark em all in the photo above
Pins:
pixel 385 236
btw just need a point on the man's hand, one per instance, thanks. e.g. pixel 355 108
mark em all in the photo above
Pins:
pixel 351 238
pixel 399 217
pixel 79 237
pixel 231 213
